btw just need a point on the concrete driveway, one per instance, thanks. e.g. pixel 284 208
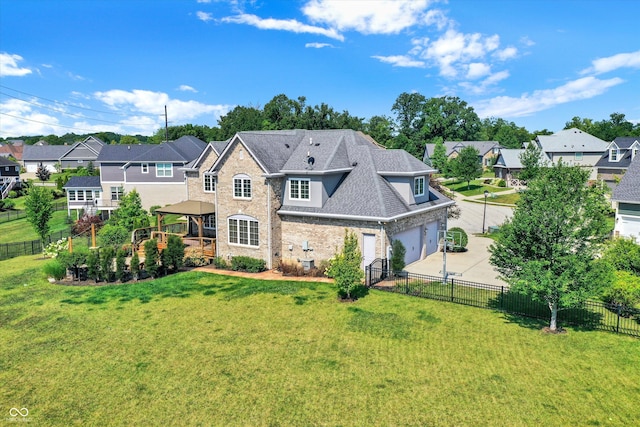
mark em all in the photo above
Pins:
pixel 472 265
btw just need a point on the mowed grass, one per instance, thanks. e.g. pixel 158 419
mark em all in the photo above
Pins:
pixel 206 349
pixel 20 230
pixel 474 188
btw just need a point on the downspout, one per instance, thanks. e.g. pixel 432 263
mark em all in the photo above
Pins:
pixel 269 243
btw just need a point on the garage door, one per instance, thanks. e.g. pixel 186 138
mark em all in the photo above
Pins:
pixel 411 239
pixel 432 238
pixel 630 226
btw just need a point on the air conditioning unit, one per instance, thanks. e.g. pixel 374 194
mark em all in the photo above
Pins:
pixel 307 264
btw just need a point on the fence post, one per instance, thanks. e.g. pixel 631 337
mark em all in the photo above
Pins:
pixel 501 297
pixel 619 312
pixel 451 290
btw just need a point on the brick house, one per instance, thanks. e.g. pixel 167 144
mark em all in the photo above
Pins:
pixel 290 195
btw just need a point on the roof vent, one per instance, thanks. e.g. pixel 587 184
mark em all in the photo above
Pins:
pixel 317 144
pixel 311 161
pixel 286 145
pixel 354 164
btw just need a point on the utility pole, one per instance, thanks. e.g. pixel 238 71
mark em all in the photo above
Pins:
pixel 166 125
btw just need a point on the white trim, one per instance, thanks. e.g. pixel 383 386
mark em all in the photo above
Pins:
pixel 250 229
pixel 212 182
pixel 144 167
pixel 165 170
pixel 416 180
pixel 299 188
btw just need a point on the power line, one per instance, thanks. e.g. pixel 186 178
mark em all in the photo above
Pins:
pixel 51 124
pixel 76 106
pixel 70 114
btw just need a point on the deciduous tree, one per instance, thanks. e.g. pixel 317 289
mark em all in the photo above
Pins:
pixel 467 166
pixel 548 248
pixel 39 209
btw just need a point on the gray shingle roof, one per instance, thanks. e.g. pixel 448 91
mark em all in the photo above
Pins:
pixel 628 190
pixel 6 162
pixel 363 192
pixel 571 141
pixel 122 153
pixel 182 150
pixel 90 182
pixel 39 153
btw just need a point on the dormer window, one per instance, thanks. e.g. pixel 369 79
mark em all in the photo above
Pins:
pixel 634 152
pixel 614 154
pixel 299 189
pixel 418 186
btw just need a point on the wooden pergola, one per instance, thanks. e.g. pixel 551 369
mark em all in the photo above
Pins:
pixel 195 211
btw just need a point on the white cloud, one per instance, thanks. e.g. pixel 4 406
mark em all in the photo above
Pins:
pixel 611 63
pixel 477 70
pixel 453 51
pixel 438 19
pixel 9 65
pixel 486 85
pixel 526 41
pixel 20 118
pixel 204 16
pixel 526 104
pixel 400 61
pixel 148 103
pixel 283 25
pixel 203 1
pixel 318 45
pixel 507 53
pixel 369 16
pixel 187 88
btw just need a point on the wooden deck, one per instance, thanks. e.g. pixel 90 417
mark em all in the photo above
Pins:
pixel 206 246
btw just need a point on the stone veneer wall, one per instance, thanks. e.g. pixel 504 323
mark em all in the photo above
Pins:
pixel 326 236
pixel 195 181
pixel 263 197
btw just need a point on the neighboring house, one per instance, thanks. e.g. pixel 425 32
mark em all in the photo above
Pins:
pixel 574 147
pixel 9 176
pixel 508 165
pixel 617 158
pixel 290 195
pixel 488 150
pixel 83 194
pixel 13 149
pixel 626 198
pixel 155 171
pixel 65 156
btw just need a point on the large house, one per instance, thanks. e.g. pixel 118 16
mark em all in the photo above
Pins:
pixel 626 197
pixel 573 146
pixel 487 150
pixel 153 170
pixel 617 157
pixel 61 156
pixel 290 195
pixel 83 195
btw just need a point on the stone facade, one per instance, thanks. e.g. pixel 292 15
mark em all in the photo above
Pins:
pixel 195 180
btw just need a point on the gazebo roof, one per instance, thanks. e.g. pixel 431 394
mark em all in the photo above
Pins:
pixel 190 208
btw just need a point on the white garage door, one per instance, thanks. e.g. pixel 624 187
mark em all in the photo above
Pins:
pixel 411 239
pixel 432 238
pixel 630 226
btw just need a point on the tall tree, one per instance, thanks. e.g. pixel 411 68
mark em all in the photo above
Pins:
pixel 380 128
pixel 547 249
pixel 439 157
pixel 467 166
pixel 39 209
pixel 240 119
pixel 531 162
pixel 451 119
pixel 408 109
pixel 508 134
pixel 42 173
pixel 130 214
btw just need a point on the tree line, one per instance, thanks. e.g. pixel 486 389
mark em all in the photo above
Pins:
pixel 415 121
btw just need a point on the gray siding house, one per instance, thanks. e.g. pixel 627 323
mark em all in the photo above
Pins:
pixel 156 172
pixel 626 198
pixel 617 157
pixel 65 156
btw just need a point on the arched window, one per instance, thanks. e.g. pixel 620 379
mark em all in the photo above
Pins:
pixel 241 187
pixel 243 230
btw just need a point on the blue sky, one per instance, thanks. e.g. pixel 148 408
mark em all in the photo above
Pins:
pixel 84 66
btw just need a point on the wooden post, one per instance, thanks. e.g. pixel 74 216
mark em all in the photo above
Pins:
pixel 93 235
pixel 159 221
pixel 70 245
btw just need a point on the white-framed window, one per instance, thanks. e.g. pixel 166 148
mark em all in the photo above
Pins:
pixel 164 170
pixel 418 186
pixel 241 187
pixel 209 222
pixel 144 168
pixel 578 156
pixel 243 231
pixel 72 195
pixel 209 181
pixel 96 194
pixel 80 195
pixel 613 155
pixel 116 193
pixel 299 189
pixel 88 195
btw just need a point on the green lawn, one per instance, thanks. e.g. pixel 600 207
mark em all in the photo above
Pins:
pixel 475 188
pixel 507 199
pixel 204 349
pixel 21 230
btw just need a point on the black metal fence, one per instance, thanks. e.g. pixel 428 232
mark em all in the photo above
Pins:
pixel 12 214
pixel 30 247
pixel 593 315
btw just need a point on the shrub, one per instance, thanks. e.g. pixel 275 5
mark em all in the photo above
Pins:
pixel 112 235
pixel 13 194
pixel 248 264
pixel 220 263
pixel 121 265
pixel 93 265
pixel 193 258
pixel 345 269
pixel 152 209
pixel 135 265
pixel 173 255
pixel 151 258
pixel 55 269
pixel 460 239
pixel 624 290
pixel 54 248
pixel 106 263
pixel 398 252
pixel 290 268
pixel 502 183
pixel 83 225
pixel 7 204
pixel 74 261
